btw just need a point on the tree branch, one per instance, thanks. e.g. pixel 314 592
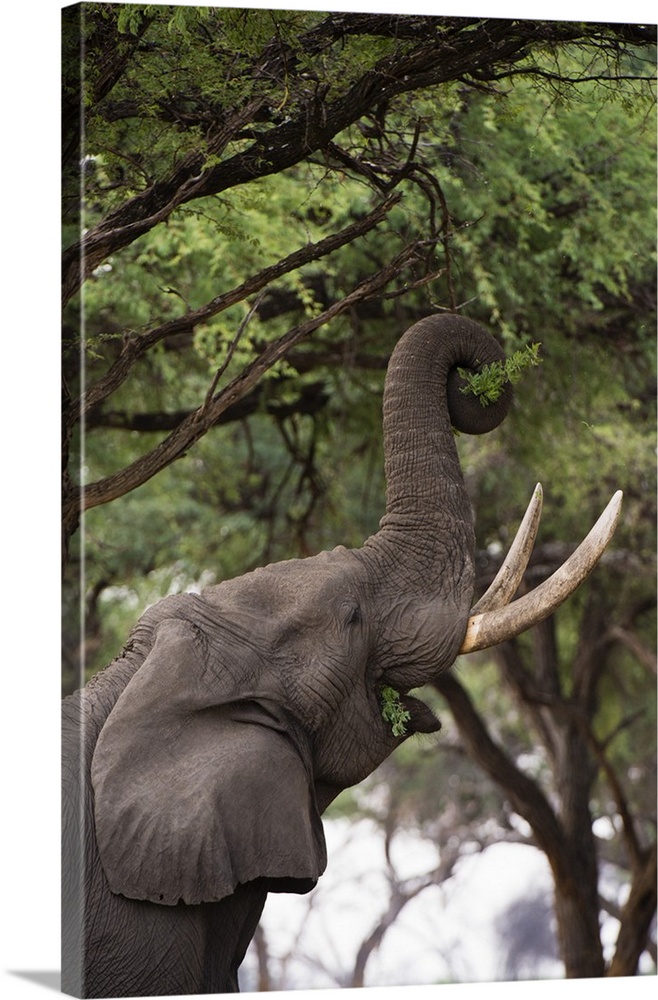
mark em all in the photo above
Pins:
pixel 197 423
pixel 447 51
pixel 527 694
pixel 636 918
pixel 630 836
pixel 137 345
pixel 642 653
pixel 524 794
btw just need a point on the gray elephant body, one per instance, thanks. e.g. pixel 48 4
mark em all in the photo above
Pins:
pixel 197 765
pixel 115 946
pixel 136 942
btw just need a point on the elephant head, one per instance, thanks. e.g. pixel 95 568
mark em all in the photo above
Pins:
pixel 254 703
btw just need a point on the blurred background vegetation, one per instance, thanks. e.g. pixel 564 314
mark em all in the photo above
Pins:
pixel 516 163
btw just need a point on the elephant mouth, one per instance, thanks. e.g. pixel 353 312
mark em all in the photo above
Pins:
pixel 405 713
pixel 422 718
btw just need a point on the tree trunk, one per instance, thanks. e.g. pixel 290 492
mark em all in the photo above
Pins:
pixel 71 512
pixel 566 838
pixel 574 771
pixel 577 916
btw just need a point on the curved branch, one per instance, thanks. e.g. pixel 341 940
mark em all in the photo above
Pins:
pixel 642 652
pixel 636 918
pixel 525 795
pixel 197 423
pixel 137 345
pixel 635 852
pixel 400 896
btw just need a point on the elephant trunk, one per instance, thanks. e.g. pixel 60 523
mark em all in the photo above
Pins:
pixel 427 530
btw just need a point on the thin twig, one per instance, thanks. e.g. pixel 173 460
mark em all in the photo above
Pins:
pixel 628 826
pixel 227 360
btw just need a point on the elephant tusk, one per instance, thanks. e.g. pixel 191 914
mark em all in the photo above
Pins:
pixel 510 574
pixel 491 627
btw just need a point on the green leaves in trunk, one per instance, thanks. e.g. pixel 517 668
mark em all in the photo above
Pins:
pixel 489 383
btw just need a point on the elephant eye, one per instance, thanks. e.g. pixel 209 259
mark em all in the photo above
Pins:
pixel 351 613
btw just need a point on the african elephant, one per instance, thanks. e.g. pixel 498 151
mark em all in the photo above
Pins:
pixel 197 765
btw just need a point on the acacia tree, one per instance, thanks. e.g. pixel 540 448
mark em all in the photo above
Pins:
pixel 182 105
pixel 558 807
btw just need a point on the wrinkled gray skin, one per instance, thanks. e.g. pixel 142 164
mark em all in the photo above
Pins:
pixel 196 766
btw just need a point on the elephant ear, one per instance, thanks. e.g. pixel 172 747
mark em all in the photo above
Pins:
pixel 199 786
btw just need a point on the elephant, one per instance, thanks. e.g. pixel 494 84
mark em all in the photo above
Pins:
pixel 197 765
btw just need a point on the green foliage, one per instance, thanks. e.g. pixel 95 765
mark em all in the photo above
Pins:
pixel 393 711
pixel 552 186
pixel 131 16
pixel 488 383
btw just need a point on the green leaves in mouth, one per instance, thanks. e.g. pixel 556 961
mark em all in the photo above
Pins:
pixel 393 711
